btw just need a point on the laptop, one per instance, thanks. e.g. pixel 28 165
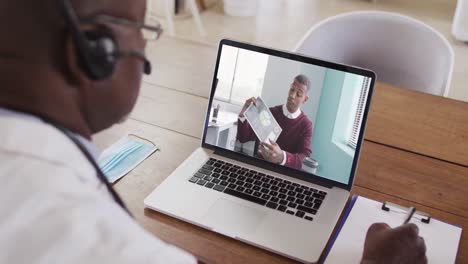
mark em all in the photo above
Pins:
pixel 283 195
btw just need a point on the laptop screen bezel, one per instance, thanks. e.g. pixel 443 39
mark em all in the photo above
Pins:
pixel 294 173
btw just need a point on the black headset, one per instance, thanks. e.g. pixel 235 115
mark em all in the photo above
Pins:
pixel 97 50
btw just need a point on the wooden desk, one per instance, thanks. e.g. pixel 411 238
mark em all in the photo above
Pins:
pixel 415 153
pixel 422 123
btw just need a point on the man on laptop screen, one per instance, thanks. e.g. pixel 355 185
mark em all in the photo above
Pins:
pixel 319 111
pixel 293 145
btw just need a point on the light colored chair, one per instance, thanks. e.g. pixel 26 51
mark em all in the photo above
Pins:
pixel 169 6
pixel 460 21
pixel 401 50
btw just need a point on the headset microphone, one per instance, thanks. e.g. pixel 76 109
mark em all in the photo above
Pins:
pixel 147 68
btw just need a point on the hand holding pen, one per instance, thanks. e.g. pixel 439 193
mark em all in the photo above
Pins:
pixel 394 245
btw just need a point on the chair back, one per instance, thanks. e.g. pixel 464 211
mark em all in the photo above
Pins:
pixel 401 50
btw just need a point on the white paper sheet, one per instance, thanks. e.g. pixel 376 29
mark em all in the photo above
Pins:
pixel 441 239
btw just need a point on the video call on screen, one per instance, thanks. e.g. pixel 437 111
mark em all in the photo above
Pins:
pixel 305 117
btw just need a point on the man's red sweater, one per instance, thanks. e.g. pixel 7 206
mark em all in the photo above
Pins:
pixel 295 139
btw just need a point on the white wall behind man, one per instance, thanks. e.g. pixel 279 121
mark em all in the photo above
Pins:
pixel 279 76
pixel 316 75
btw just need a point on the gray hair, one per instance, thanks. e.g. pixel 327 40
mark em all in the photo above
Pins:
pixel 304 80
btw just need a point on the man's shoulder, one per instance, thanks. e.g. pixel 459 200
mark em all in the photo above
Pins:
pixel 42 160
pixel 54 200
pixel 278 108
pixel 36 174
pixel 305 120
pixel 277 111
pixel 46 144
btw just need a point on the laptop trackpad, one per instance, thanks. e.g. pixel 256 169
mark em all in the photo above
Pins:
pixel 233 218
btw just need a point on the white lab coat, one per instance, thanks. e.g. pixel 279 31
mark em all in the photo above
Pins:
pixel 53 209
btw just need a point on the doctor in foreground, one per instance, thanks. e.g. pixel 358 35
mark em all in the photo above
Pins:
pixel 69 69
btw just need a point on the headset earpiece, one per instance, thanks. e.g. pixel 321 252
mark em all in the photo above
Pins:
pixel 101 49
pixel 95 48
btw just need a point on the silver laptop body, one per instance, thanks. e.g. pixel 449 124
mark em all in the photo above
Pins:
pixel 315 197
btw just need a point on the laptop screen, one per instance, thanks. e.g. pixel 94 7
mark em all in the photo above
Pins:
pixel 300 113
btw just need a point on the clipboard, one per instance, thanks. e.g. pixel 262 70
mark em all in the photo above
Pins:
pixel 398 209
pixel 442 239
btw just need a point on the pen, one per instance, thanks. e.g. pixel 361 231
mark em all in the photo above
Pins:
pixel 410 215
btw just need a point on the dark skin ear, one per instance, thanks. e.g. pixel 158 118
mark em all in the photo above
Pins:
pixel 75 74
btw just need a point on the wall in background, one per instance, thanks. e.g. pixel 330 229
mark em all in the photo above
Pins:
pixel 334 162
pixel 317 76
pixel 279 77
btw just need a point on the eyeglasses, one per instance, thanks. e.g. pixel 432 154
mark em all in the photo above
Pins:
pixel 150 29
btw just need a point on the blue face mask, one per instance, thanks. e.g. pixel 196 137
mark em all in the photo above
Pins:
pixel 123 156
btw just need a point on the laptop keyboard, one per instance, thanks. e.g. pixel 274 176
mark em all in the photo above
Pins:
pixel 272 192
